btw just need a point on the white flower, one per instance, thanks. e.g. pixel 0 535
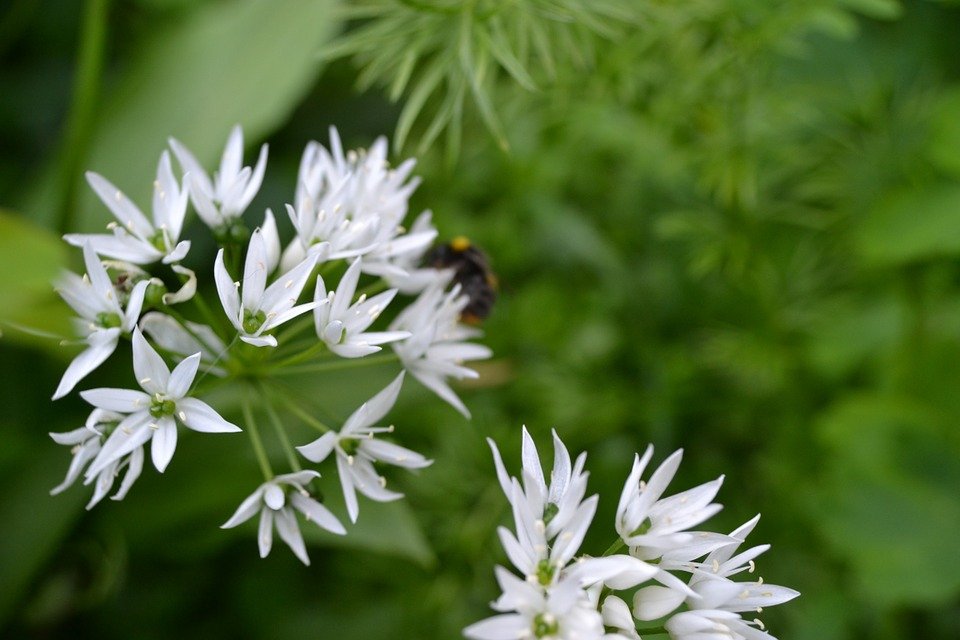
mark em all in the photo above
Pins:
pixel 135 239
pixel 563 612
pixel 719 600
pixel 276 501
pixel 352 205
pixel 221 200
pixel 102 319
pixel 437 347
pixel 259 308
pixel 653 526
pixel 85 444
pixel 152 414
pixel 342 326
pixel 357 449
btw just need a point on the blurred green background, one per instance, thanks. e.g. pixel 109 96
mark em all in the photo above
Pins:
pixel 731 226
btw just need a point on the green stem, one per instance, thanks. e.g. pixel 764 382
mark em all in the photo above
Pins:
pixel 298 411
pixel 613 548
pixel 306 354
pixel 338 365
pixel 278 427
pixel 255 439
pixel 83 108
pixel 295 327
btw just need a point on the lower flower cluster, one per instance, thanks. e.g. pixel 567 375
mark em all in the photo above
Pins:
pixel 679 578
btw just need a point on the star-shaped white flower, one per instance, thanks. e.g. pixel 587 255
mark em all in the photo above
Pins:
pixel 253 307
pixel 652 525
pixel 152 413
pixel 85 444
pixel 102 319
pixel 135 239
pixel 563 612
pixel 222 199
pixel 343 326
pixel 276 501
pixel 357 449
pixel 437 347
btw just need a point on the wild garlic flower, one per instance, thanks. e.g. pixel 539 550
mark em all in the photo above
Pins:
pixel 275 501
pixel 151 415
pixel 102 319
pixel 348 215
pixel 561 613
pixel 221 200
pixel 437 346
pixel 135 239
pixel 351 205
pixel 85 444
pixel 342 326
pixel 559 595
pixel 251 306
pixel 357 449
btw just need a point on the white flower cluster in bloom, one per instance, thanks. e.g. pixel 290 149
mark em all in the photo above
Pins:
pixel 561 596
pixel 360 278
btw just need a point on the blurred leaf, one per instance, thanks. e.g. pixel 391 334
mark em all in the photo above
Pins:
pixel 30 259
pixel 33 526
pixel 246 62
pixel 944 140
pixel 877 9
pixel 847 332
pixel 889 504
pixel 911 225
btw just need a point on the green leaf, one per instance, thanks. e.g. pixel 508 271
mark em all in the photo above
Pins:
pixel 246 62
pixel 888 502
pixel 944 138
pixel 30 259
pixel 877 9
pixel 910 225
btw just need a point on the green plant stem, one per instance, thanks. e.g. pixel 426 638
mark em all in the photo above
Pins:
pixel 340 364
pixel 300 357
pixel 83 108
pixel 255 440
pixel 295 327
pixel 278 427
pixel 613 548
pixel 298 411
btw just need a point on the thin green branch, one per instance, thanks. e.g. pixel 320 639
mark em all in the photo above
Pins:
pixel 255 440
pixel 278 427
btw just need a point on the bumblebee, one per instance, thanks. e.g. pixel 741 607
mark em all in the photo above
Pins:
pixel 472 272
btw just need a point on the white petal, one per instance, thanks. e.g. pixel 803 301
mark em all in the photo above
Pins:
pixel 102 344
pixel 254 273
pixel 394 454
pixel 151 371
pixel 319 449
pixel 200 416
pixel 271 238
pixel 122 400
pixel 164 443
pixel 227 290
pixel 316 512
pixel 265 532
pixel 260 341
pixel 134 467
pixel 650 603
pixel 510 626
pixel 349 492
pixel 182 376
pixel 289 532
pixel 126 213
pixel 247 509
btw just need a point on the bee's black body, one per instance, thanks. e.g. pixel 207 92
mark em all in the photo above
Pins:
pixel 472 272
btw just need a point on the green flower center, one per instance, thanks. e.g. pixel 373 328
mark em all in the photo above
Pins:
pixel 253 321
pixel 160 407
pixel 545 625
pixel 159 241
pixel 350 446
pixel 545 572
pixel 108 320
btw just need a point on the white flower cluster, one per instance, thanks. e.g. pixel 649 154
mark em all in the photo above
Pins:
pixel 350 264
pixel 561 596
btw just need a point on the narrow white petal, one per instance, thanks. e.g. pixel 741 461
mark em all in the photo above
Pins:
pixel 254 273
pixel 102 344
pixel 200 416
pixel 151 371
pixel 265 532
pixel 319 449
pixel 227 291
pixel 164 443
pixel 247 509
pixel 289 532
pixel 650 603
pixel 316 512
pixel 182 376
pixel 122 400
